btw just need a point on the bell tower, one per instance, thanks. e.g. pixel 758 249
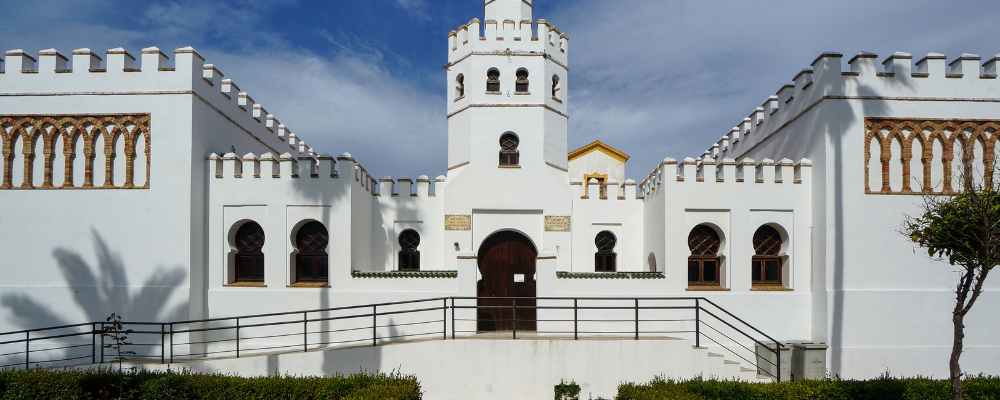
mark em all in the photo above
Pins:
pixel 499 10
pixel 507 91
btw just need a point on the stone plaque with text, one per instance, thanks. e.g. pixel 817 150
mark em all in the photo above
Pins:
pixel 557 223
pixel 457 222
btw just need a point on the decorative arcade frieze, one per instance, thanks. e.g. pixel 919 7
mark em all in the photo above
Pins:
pixel 68 144
pixel 950 154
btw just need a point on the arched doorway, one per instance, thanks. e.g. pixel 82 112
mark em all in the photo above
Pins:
pixel 507 288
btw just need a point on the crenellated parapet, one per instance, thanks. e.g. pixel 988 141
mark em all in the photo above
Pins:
pixel 595 190
pixel 863 77
pixel 286 166
pixel 405 188
pixel 539 37
pixel 153 72
pixel 708 171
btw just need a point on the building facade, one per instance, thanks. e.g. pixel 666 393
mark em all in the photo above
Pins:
pixel 122 191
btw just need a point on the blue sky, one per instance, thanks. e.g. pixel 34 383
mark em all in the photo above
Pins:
pixel 656 78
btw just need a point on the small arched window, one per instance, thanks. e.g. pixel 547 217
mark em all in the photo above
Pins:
pixel 248 263
pixel 509 155
pixel 459 86
pixel 703 263
pixel 766 263
pixel 521 84
pixel 555 87
pixel 605 259
pixel 311 259
pixel 409 256
pixel 493 81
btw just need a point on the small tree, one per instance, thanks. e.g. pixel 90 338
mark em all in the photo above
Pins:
pixel 117 338
pixel 964 230
pixel 114 333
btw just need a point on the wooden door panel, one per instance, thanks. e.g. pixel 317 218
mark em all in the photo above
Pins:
pixel 502 257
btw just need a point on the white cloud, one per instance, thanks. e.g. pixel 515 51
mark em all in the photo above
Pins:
pixel 416 8
pixel 654 78
pixel 347 100
pixel 347 103
pixel 665 79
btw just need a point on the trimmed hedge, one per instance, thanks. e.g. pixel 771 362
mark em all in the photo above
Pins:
pixel 883 388
pixel 104 384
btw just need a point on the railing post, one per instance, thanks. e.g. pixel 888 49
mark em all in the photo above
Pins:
pixel 636 319
pixel 102 342
pixel 576 332
pixel 93 343
pixel 777 349
pixel 697 323
pixel 163 344
pixel 171 342
pixel 305 332
pixel 237 337
pixel 444 319
pixel 453 318
pixel 514 315
pixel 374 325
pixel 27 350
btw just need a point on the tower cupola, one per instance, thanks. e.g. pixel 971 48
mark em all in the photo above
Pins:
pixel 514 10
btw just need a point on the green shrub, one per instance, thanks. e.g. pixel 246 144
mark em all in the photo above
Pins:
pixel 102 384
pixel 882 388
pixel 567 390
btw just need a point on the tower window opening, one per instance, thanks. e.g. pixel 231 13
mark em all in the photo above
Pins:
pixel 509 155
pixel 409 256
pixel 493 81
pixel 459 86
pixel 556 88
pixel 605 259
pixel 521 84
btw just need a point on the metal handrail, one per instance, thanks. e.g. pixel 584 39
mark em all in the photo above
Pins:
pixel 371 312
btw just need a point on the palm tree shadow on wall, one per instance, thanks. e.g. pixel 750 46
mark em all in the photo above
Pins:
pixel 99 290
pixel 841 146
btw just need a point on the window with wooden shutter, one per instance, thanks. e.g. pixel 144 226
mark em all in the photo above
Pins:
pixel 605 260
pixel 766 264
pixel 311 258
pixel 248 261
pixel 409 256
pixel 704 261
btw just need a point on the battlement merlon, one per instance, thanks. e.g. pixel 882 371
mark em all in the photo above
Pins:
pixel 152 73
pixel 510 37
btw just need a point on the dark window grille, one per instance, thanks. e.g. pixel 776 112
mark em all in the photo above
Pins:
pixel 460 86
pixel 311 260
pixel 521 84
pixel 249 259
pixel 605 260
pixel 766 262
pixel 703 263
pixel 555 86
pixel 493 80
pixel 409 256
pixel 509 155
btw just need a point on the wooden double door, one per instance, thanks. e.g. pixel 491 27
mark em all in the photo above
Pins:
pixel 506 292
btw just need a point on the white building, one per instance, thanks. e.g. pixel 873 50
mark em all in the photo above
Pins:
pixel 120 193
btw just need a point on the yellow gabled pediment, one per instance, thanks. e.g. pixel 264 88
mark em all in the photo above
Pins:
pixel 602 147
